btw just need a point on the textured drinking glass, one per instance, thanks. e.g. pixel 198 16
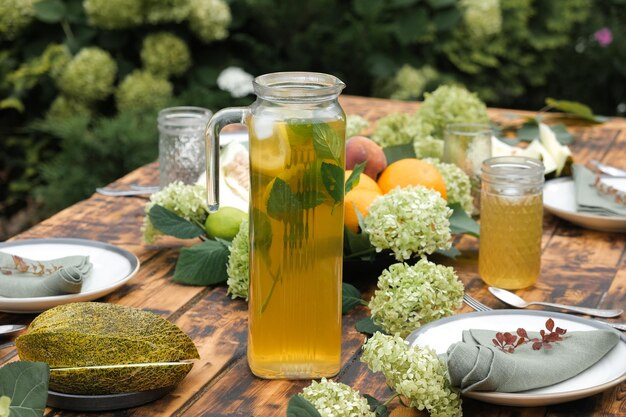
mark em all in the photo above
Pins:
pixel 181 144
pixel 297 156
pixel 467 145
pixel 511 218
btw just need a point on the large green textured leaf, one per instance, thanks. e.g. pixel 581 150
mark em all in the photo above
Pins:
pixel 368 326
pixel 26 384
pixel 327 143
pixel 202 264
pixel 171 224
pixel 299 407
pixel 461 223
pixel 50 11
pixel 576 109
pixel 350 297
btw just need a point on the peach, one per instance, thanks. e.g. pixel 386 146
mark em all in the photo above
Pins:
pixel 361 149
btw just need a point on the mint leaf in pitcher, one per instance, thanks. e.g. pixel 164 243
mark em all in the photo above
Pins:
pixel 327 143
pixel 332 176
pixel 282 200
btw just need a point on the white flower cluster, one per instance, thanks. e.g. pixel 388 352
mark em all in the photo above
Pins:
pixel 410 82
pixel 209 19
pixel 409 220
pixel 235 81
pixel 482 18
pixel 334 399
pixel 415 373
pixel 458 185
pixel 355 125
pixel 187 201
pixel 239 263
pixel 411 296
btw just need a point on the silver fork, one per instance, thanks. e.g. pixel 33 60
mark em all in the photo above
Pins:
pixel 478 306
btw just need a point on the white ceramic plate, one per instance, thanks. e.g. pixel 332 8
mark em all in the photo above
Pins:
pixel 559 198
pixel 112 267
pixel 604 374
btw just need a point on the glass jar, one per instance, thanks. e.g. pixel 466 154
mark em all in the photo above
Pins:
pixel 297 145
pixel 511 219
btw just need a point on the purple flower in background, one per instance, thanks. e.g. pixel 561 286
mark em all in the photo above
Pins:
pixel 604 37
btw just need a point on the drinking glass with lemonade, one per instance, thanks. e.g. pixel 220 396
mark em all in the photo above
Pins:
pixel 297 148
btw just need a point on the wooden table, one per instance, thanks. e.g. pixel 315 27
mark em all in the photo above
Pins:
pixel 578 266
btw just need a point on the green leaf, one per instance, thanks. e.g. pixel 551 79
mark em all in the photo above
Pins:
pixel 327 143
pixel 447 19
pixel 381 411
pixel 562 134
pixel 461 223
pixel 451 253
pixel 397 152
pixel 367 326
pixel 357 245
pixel 202 264
pixel 411 26
pixel 26 384
pixel 299 407
pixel 368 8
pixel 355 176
pixel 350 297
pixel 50 11
pixel 172 224
pixel 575 109
pixel 530 131
pixel 333 176
pixel 12 103
pixel 282 200
pixel 311 199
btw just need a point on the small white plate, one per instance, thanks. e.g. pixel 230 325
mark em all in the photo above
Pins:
pixel 559 198
pixel 112 268
pixel 604 374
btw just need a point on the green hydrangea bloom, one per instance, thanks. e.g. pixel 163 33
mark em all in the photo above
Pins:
pixel 15 15
pixel 160 11
pixel 239 263
pixel 52 61
pixel 409 221
pixel 482 18
pixel 413 372
pixel 142 90
pixel 452 104
pixel 458 185
pixel 355 124
pixel 400 129
pixel 409 82
pixel 89 76
pixel 63 107
pixel 410 296
pixel 187 201
pixel 334 399
pixel 114 14
pixel 209 19
pixel 165 54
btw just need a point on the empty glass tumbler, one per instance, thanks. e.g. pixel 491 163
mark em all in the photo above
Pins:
pixel 511 218
pixel 181 144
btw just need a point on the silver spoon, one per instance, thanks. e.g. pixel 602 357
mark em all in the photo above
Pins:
pixel 514 300
pixel 607 169
pixel 9 329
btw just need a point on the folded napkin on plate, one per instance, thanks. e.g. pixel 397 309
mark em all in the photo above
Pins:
pixel 475 364
pixel 25 278
pixel 588 199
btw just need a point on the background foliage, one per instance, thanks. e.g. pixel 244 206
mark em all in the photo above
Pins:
pixel 67 66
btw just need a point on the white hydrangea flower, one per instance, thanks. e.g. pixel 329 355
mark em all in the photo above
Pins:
pixel 334 399
pixel 482 18
pixel 209 19
pixel 458 185
pixel 355 125
pixel 413 372
pixel 239 264
pixel 235 81
pixel 411 296
pixel 410 82
pixel 187 201
pixel 409 220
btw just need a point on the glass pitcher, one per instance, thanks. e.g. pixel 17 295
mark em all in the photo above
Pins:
pixel 297 147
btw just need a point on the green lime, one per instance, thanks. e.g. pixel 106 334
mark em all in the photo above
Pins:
pixel 224 223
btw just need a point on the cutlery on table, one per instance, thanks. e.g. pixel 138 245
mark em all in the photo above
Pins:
pixel 478 306
pixel 507 297
pixel 135 190
pixel 10 329
pixel 608 169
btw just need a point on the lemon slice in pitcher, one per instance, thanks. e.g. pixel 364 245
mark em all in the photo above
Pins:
pixel 270 155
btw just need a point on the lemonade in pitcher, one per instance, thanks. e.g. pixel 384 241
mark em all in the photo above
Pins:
pixel 297 147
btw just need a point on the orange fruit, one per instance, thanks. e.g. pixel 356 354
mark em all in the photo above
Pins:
pixel 361 200
pixel 412 171
pixel 365 183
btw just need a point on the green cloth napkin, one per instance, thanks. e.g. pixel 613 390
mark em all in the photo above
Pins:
pixel 475 364
pixel 588 199
pixel 25 278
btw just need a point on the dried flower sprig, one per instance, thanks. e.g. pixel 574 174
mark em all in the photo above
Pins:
pixel 508 342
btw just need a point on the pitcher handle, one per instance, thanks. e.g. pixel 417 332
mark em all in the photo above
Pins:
pixel 212 143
